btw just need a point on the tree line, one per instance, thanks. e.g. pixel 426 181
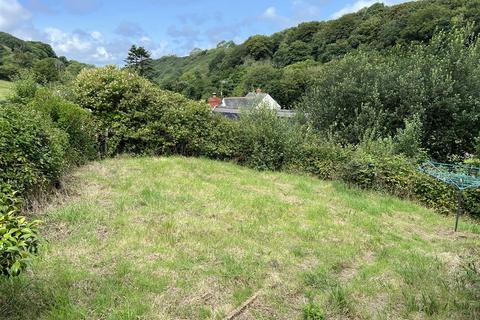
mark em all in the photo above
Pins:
pixel 285 63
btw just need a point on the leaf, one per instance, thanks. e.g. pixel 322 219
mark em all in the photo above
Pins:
pixel 13 249
pixel 14 270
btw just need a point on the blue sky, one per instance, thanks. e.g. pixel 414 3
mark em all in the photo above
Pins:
pixel 101 31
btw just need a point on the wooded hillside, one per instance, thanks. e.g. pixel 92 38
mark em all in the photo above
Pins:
pixel 19 56
pixel 284 63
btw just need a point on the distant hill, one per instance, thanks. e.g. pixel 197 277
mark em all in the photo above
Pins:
pixel 18 55
pixel 279 63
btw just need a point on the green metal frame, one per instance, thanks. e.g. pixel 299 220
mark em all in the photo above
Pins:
pixel 461 177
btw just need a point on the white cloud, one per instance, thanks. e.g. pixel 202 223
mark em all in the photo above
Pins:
pixel 102 54
pixel 96 35
pixel 93 47
pixel 360 4
pixel 160 50
pixel 83 46
pixel 301 11
pixel 12 15
pixel 67 43
pixel 89 46
pixel 16 19
pixel 271 14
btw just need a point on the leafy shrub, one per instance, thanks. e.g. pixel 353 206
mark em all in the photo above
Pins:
pixel 119 99
pixel 76 122
pixel 18 238
pixel 408 140
pixel 137 117
pixel 32 150
pixel 322 158
pixel 265 141
pixel 111 93
pixel 24 89
pixel 222 139
pixel 399 176
pixel 477 146
pixel 47 70
pixel 174 125
pixel 471 202
pixel 359 171
pixel 192 129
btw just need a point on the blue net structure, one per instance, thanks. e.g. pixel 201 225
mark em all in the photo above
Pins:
pixel 461 177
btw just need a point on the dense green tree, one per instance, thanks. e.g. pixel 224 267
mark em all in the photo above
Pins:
pixel 264 76
pixel 375 92
pixel 216 62
pixel 235 57
pixel 295 52
pixel 304 32
pixel 74 68
pixel 259 47
pixel 139 59
pixel 47 70
pixel 421 24
pixel 225 44
pixel 295 81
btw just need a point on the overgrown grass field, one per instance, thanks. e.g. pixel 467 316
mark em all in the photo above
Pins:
pixel 185 238
pixel 5 88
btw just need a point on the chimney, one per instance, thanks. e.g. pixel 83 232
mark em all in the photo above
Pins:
pixel 214 101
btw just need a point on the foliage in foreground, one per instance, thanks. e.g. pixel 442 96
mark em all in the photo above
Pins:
pixel 19 238
pixel 76 122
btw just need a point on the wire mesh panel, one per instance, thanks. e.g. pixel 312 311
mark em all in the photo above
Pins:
pixel 461 177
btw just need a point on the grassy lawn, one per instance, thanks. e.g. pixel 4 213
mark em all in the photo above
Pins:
pixel 181 238
pixel 5 88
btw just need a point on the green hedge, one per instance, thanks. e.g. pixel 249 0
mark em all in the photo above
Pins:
pixel 78 123
pixel 394 174
pixel 32 149
pixel 265 142
pixel 137 117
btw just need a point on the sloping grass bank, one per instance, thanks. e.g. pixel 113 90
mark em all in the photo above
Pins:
pixel 185 238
